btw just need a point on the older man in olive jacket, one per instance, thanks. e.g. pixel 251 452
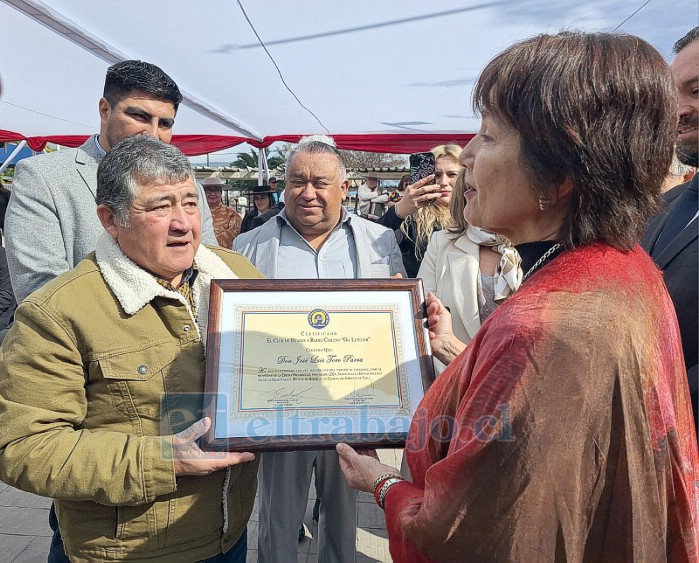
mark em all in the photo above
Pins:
pixel 100 360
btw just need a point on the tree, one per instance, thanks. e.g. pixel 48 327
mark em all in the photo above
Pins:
pixel 355 160
pixel 283 150
pixel 249 160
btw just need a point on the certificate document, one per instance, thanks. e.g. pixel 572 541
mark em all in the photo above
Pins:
pixel 301 369
pixel 327 358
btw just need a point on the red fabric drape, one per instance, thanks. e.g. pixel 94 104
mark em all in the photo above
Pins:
pixel 191 145
pixel 38 143
pixel 398 143
pixel 194 145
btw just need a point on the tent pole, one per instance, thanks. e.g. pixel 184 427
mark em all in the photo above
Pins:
pixel 262 166
pixel 10 158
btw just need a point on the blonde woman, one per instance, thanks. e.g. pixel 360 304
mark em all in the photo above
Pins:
pixel 466 272
pixel 424 208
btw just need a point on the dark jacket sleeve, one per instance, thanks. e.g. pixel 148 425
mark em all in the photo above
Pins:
pixel 246 225
pixel 4 200
pixel 266 216
pixel 7 298
pixel 390 219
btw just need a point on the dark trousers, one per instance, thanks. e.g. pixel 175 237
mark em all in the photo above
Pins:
pixel 56 553
pixel 236 554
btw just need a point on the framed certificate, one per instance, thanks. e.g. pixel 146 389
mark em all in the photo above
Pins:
pixel 305 364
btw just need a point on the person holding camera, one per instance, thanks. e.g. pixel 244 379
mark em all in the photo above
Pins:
pixel 424 208
pixel 466 273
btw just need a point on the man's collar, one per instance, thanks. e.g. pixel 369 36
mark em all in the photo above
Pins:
pixel 282 219
pixel 190 273
pixel 134 287
pixel 188 276
pixel 344 216
pixel 100 150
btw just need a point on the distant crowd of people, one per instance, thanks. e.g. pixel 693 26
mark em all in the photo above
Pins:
pixel 561 305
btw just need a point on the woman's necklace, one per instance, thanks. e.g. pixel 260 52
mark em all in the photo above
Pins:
pixel 541 260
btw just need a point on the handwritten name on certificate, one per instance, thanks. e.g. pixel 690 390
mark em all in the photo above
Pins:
pixel 319 359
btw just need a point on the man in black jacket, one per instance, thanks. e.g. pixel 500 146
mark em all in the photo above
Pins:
pixel 671 236
pixel 4 200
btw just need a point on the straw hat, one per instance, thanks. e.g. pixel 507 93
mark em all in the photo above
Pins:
pixel 213 182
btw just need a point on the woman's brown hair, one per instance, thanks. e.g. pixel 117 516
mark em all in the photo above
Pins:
pixel 598 108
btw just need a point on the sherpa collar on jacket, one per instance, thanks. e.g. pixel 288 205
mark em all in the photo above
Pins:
pixel 134 288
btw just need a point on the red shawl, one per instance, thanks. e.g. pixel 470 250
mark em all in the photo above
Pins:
pixel 564 431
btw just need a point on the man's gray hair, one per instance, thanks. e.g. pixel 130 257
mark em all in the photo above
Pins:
pixel 134 162
pixel 319 144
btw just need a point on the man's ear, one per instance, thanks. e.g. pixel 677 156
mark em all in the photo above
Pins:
pixel 104 109
pixel 108 220
pixel 344 187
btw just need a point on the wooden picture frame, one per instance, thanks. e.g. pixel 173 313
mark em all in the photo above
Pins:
pixel 305 364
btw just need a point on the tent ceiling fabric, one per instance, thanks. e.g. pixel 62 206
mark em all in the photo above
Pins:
pixel 378 74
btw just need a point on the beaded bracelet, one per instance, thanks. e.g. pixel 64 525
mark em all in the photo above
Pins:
pixel 384 489
pixel 382 479
pixel 378 488
pixel 379 483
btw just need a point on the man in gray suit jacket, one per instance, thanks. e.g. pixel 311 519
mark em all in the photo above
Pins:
pixel 313 237
pixel 51 221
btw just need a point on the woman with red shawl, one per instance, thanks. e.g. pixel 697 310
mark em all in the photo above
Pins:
pixel 563 432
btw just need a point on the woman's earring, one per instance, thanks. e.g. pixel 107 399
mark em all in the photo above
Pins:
pixel 544 202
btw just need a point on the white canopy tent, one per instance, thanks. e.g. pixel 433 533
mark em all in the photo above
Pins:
pixel 364 68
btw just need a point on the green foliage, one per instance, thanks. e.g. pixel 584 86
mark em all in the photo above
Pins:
pixel 249 160
pixel 353 159
pixel 360 160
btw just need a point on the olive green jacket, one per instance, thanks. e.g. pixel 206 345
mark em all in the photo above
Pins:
pixel 93 360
